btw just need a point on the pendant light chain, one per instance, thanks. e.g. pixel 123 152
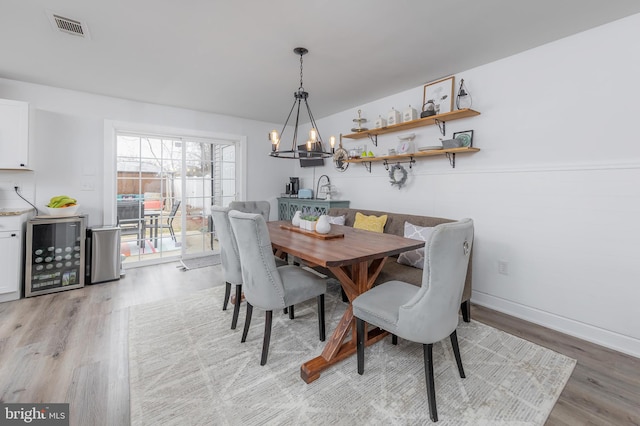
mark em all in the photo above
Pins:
pixel 301 88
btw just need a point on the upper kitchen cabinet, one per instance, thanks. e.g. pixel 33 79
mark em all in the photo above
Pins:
pixel 14 135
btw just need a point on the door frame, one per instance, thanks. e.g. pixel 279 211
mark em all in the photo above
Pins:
pixel 111 129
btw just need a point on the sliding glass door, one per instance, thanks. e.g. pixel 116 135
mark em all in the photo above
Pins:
pixel 165 187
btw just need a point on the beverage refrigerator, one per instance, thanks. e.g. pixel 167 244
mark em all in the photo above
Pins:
pixel 55 254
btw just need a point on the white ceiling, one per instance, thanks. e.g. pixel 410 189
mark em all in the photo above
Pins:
pixel 236 58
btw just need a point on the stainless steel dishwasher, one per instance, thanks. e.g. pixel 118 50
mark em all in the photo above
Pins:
pixel 104 254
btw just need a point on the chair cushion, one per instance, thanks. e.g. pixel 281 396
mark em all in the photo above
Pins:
pixel 370 223
pixel 415 258
pixel 380 305
pixel 300 285
pixel 336 220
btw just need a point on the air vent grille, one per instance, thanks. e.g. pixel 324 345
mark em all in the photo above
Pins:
pixel 69 26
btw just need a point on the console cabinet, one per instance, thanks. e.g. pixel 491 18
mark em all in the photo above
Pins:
pixel 287 207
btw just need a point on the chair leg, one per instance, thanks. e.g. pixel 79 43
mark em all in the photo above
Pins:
pixel 360 344
pixel 291 313
pixel 431 387
pixel 236 307
pixel 465 307
pixel 345 299
pixel 267 337
pixel 394 339
pixel 247 322
pixel 456 352
pixel 227 295
pixel 321 328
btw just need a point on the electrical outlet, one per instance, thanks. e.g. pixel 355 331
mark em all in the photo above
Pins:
pixel 16 185
pixel 503 267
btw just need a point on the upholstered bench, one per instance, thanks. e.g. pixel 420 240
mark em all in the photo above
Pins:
pixel 393 270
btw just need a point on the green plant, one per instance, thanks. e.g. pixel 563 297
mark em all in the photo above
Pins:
pixel 310 218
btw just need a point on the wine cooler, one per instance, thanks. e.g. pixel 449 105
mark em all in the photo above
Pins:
pixel 55 254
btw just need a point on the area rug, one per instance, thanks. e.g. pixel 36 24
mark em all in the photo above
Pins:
pixel 201 262
pixel 187 367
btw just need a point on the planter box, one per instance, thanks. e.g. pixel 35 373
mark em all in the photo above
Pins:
pixel 308 224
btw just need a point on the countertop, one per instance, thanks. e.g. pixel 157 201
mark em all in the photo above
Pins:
pixel 14 211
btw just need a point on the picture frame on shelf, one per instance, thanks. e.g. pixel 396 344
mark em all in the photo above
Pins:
pixel 438 97
pixel 465 138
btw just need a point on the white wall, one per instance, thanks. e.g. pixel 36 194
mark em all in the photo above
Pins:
pixel 67 134
pixel 554 190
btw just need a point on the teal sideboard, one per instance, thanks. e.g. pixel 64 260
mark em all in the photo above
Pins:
pixel 287 207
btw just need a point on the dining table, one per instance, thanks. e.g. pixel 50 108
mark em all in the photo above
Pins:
pixel 355 257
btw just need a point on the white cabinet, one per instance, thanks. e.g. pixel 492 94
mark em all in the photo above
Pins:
pixel 10 265
pixel 12 230
pixel 14 134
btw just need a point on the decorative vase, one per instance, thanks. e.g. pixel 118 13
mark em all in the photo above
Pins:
pixel 323 226
pixel 296 218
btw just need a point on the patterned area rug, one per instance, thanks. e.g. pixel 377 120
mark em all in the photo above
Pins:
pixel 188 367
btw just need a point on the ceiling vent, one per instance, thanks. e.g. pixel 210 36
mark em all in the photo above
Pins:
pixel 68 25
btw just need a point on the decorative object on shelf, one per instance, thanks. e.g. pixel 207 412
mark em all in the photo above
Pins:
pixel 463 98
pixel 409 114
pixel 398 175
pixel 392 151
pixel 296 218
pixel 340 158
pixel 393 117
pixel 451 143
pixel 466 138
pixel 359 120
pixel 380 122
pixel 326 183
pixel 314 145
pixel 323 226
pixel 438 97
pixel 429 148
pixel 405 145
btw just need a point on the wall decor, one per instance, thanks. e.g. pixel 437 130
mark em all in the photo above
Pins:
pixel 466 138
pixel 438 97
pixel 398 175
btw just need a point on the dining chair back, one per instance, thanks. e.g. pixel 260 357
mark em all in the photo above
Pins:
pixel 230 258
pixel 262 207
pixel 265 285
pixel 425 314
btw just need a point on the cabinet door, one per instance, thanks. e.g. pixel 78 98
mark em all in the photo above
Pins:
pixel 14 134
pixel 10 251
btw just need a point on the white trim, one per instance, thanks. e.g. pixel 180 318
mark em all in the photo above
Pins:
pixel 532 169
pixel 609 339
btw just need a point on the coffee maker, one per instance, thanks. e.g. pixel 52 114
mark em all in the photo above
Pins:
pixel 293 186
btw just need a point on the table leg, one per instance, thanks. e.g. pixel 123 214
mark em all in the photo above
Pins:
pixel 361 278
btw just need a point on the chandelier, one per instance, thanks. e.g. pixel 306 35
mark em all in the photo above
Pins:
pixel 313 146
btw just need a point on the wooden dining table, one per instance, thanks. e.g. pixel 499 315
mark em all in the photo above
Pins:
pixel 355 257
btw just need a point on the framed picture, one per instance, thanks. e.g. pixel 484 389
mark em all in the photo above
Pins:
pixel 465 138
pixel 438 97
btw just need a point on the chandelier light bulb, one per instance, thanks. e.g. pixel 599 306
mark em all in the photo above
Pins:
pixel 309 145
pixel 313 135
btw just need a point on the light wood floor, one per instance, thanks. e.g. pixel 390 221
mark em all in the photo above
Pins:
pixel 72 347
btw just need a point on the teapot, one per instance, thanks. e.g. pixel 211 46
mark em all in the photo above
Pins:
pixel 428 109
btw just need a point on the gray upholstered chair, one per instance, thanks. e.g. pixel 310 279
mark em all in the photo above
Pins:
pixel 230 259
pixel 262 207
pixel 267 286
pixel 424 314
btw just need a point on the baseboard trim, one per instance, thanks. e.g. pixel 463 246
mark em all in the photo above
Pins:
pixel 599 336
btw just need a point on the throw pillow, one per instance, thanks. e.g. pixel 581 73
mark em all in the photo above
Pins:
pixel 415 258
pixel 336 220
pixel 370 223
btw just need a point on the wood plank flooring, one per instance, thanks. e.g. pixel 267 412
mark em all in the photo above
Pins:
pixel 73 347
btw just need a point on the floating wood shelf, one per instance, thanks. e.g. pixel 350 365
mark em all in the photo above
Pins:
pixel 420 122
pixel 406 157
